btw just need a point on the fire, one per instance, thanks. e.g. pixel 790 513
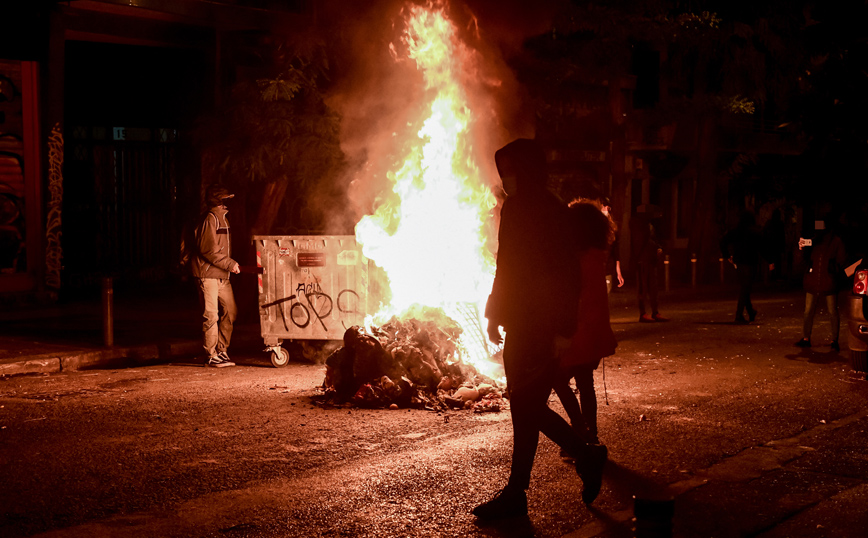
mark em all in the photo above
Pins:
pixel 430 236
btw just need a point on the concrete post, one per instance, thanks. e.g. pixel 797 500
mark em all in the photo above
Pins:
pixel 108 331
pixel 666 272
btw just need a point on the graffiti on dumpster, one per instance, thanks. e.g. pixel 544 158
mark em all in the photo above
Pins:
pixel 320 304
pixel 312 287
pixel 309 302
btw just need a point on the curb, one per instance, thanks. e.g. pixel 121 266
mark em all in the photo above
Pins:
pixel 48 363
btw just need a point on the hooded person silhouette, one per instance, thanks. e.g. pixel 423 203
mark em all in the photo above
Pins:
pixel 533 300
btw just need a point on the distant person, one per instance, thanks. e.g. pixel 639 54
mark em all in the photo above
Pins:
pixel 646 257
pixel 531 299
pixel 826 259
pixel 613 257
pixel 212 266
pixel 774 241
pixel 593 339
pixel 743 246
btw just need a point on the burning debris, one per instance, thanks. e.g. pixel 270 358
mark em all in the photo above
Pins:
pixel 407 364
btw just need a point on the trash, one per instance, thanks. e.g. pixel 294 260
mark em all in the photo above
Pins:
pixel 410 363
pixel 491 402
pixel 467 393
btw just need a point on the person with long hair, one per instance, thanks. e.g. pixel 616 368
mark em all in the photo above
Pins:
pixel 593 339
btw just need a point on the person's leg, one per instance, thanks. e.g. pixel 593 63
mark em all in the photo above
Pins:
pixel 572 408
pixel 588 400
pixel 652 287
pixel 746 275
pixel 808 320
pixel 742 293
pixel 751 278
pixel 834 316
pixel 531 369
pixel 641 286
pixel 227 317
pixel 208 300
pixel 568 399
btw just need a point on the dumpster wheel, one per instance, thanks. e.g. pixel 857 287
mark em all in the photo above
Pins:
pixel 279 357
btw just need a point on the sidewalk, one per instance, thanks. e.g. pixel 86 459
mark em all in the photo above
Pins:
pixel 149 326
pixel 152 326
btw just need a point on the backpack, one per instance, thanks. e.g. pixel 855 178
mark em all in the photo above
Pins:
pixel 189 247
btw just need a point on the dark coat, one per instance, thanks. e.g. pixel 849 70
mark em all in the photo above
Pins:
pixel 644 246
pixel 531 287
pixel 827 258
pixel 744 244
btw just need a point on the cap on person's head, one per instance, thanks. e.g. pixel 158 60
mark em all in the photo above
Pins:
pixel 525 160
pixel 217 194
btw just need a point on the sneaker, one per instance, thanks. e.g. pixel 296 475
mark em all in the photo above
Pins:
pixel 645 318
pixel 834 345
pixel 740 320
pixel 507 503
pixel 751 315
pixel 216 361
pixel 567 457
pixel 225 357
pixel 658 317
pixel 804 342
pixel 591 471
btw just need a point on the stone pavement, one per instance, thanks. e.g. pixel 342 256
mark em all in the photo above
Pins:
pixel 820 476
pixel 814 484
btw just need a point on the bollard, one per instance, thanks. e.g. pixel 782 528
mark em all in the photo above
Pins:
pixel 666 273
pixel 721 269
pixel 693 270
pixel 108 331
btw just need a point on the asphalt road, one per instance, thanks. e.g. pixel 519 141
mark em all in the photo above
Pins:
pixel 752 434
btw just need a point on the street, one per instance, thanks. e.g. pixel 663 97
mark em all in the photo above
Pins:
pixel 734 420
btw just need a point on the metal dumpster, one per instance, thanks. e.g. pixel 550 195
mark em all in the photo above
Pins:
pixel 311 287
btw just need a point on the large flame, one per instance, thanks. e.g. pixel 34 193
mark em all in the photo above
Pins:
pixel 430 237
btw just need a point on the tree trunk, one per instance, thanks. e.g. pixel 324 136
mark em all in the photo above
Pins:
pixel 269 206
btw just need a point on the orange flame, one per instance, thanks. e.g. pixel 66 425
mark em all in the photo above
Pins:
pixel 431 241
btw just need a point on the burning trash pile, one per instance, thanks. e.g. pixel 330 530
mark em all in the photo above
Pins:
pixel 407 364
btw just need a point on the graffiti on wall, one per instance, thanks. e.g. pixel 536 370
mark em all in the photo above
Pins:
pixel 53 250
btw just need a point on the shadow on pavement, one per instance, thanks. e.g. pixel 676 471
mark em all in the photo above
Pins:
pixel 813 356
pixel 517 527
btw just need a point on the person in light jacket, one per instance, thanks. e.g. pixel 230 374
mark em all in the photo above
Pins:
pixel 211 267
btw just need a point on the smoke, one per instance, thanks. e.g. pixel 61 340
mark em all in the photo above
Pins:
pixel 378 92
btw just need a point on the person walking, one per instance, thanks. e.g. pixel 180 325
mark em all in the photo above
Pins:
pixel 742 247
pixel 532 248
pixel 613 257
pixel 826 258
pixel 211 267
pixel 646 256
pixel 594 338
